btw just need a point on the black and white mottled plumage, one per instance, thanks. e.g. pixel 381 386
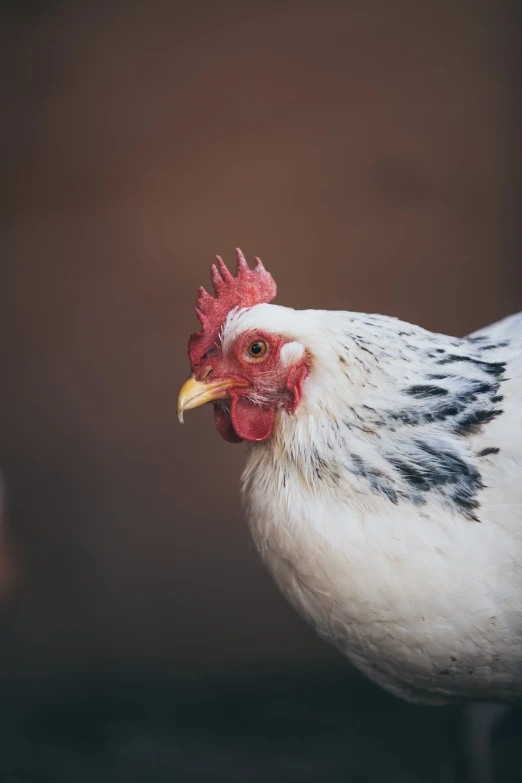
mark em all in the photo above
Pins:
pixel 388 507
pixel 383 485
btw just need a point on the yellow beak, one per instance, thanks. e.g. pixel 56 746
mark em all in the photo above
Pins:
pixel 194 393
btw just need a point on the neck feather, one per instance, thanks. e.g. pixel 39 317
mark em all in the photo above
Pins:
pixel 389 414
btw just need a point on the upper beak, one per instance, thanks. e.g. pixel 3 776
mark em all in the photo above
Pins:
pixel 194 393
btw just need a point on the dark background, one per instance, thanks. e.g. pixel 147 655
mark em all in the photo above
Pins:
pixel 367 151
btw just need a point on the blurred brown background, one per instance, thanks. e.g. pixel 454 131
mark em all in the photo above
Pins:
pixel 367 151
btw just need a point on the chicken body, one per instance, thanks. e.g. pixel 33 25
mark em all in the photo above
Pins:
pixel 388 506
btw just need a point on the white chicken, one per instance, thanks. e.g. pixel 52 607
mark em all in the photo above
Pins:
pixel 383 482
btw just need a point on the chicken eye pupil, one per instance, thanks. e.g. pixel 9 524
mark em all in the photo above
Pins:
pixel 257 350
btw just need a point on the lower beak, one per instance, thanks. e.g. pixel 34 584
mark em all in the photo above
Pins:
pixel 194 393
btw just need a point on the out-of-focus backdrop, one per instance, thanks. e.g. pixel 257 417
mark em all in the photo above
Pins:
pixel 367 151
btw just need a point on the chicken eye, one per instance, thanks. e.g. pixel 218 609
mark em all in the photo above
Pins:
pixel 256 350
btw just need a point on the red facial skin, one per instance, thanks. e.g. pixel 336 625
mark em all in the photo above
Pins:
pixel 264 384
pixel 250 412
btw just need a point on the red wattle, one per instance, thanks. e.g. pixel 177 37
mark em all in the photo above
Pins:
pixel 250 422
pixel 224 425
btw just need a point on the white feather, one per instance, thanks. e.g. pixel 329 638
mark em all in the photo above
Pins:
pixel 362 521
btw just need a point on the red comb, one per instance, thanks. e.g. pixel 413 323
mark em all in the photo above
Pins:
pixel 248 288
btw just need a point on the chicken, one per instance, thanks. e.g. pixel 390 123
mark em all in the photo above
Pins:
pixel 383 483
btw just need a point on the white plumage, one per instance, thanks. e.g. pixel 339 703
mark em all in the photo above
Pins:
pixel 388 506
pixel 383 486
